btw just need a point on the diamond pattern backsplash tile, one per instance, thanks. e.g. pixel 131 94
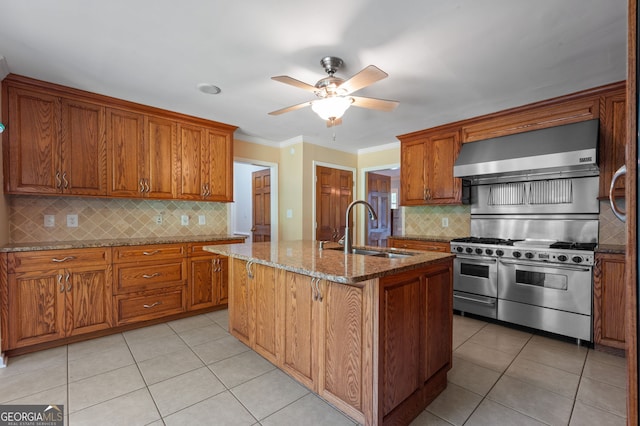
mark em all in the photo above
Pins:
pixel 427 220
pixel 110 218
pixel 612 231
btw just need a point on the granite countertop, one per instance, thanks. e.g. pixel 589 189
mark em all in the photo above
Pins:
pixel 61 245
pixel 305 257
pixel 439 239
pixel 611 248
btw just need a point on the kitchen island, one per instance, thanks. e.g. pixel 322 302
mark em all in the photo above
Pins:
pixel 369 333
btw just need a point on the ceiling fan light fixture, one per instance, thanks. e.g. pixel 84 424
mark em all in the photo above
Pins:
pixel 331 107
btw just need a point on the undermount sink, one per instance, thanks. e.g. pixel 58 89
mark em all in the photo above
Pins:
pixel 375 253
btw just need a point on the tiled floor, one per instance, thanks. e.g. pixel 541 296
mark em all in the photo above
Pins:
pixel 192 372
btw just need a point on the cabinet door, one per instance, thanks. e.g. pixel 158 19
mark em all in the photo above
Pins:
pixel 161 158
pixel 612 142
pixel 83 149
pixel 264 311
pixel 222 279
pixel 412 173
pixel 439 324
pixel 191 154
pixel 299 341
pixel 438 246
pixel 219 167
pixel 239 301
pixel 442 151
pixel 609 300
pixel 126 153
pixel 89 299
pixel 34 142
pixel 204 276
pixel 36 307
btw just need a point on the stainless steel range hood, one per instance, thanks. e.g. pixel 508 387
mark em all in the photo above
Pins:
pixel 569 150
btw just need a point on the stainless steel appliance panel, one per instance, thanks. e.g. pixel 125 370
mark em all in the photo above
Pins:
pixel 563 287
pixel 474 304
pixel 477 275
pixel 583 228
pixel 551 320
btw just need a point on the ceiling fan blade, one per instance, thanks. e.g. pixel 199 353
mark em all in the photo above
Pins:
pixel 364 78
pixel 334 122
pixel 293 82
pixel 373 103
pixel 290 108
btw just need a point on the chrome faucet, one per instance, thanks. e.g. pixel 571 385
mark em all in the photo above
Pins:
pixel 348 244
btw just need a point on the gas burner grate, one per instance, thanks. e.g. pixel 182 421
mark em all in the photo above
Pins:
pixel 484 240
pixel 568 245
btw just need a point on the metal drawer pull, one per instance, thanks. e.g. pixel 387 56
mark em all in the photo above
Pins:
pixel 474 300
pixel 66 278
pixel 58 180
pixel 153 305
pixel 60 283
pixel 318 289
pixel 64 259
pixel 248 266
pixel 65 181
pixel 150 253
pixel 612 201
pixel 155 274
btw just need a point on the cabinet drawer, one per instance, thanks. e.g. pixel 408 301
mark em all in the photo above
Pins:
pixel 30 260
pixel 148 306
pixel 196 249
pixel 149 275
pixel 421 245
pixel 148 252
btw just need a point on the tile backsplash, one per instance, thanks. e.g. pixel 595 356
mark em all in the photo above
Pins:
pixel 612 231
pixel 427 220
pixel 110 218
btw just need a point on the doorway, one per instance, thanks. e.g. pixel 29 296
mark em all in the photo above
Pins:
pixel 382 192
pixel 254 213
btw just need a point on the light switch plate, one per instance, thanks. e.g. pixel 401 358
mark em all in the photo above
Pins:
pixel 202 219
pixel 184 220
pixel 49 221
pixel 72 221
pixel 445 222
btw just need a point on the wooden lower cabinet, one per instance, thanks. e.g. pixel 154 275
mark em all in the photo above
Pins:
pixel 323 334
pixel 609 300
pixel 46 303
pixel 426 245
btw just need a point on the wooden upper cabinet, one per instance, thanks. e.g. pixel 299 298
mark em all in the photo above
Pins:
pixel 612 141
pixel 161 162
pixel 426 170
pixel 206 159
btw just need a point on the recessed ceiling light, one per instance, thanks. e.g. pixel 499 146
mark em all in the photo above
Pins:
pixel 209 89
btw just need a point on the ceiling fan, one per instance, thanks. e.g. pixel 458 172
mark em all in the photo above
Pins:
pixel 334 93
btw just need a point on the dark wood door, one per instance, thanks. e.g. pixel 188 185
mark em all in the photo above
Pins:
pixel 379 195
pixel 261 190
pixel 334 193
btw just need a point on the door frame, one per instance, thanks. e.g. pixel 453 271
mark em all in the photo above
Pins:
pixel 353 171
pixel 231 207
pixel 362 190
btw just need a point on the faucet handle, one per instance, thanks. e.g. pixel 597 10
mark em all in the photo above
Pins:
pixel 341 240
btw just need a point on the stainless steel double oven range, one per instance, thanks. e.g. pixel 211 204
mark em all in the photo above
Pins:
pixel 530 258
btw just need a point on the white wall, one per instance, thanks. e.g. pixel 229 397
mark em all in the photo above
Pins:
pixel 242 219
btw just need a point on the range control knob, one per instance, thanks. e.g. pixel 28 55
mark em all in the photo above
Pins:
pixel 469 250
pixel 576 259
pixel 459 249
pixel 562 258
pixel 517 254
pixel 478 251
pixel 489 252
pixel 500 252
pixel 528 255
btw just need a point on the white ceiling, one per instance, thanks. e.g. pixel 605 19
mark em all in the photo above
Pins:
pixel 447 59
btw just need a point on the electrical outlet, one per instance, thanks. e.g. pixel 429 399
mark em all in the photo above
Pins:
pixel 184 220
pixel 202 219
pixel 158 219
pixel 72 221
pixel 49 221
pixel 445 222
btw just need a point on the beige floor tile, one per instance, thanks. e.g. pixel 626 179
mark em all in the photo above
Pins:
pixel 154 347
pixel 99 362
pixel 103 387
pixel 307 410
pixel 484 356
pixel 198 336
pixel 219 349
pixel 490 413
pixel 558 354
pixel 606 358
pixel 603 396
pixel 134 408
pixel 539 403
pixel 586 415
pixel 49 358
pixel 543 376
pixel 427 419
pixel 258 395
pixel 32 381
pixel 455 404
pixel 53 396
pixel 241 368
pixel 224 408
pixel 501 338
pixel 471 376
pixel 190 323
pixel 92 346
pixel 169 365
pixel 608 373
pixel 150 332
pixel 185 390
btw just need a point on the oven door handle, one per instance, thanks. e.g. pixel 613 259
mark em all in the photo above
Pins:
pixel 546 265
pixel 471 299
pixel 477 258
